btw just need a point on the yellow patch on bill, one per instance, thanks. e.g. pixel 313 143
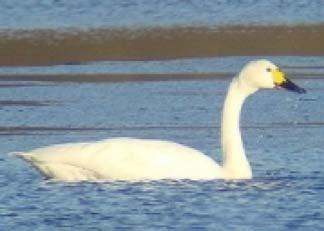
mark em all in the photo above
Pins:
pixel 278 77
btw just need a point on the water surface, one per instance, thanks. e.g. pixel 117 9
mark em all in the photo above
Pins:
pixel 282 132
pixel 31 14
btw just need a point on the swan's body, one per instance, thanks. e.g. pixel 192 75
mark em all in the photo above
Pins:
pixel 135 159
pixel 123 159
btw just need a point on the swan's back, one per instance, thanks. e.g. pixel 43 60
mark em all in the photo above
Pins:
pixel 123 159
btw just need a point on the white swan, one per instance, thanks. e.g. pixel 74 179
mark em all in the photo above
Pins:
pixel 131 159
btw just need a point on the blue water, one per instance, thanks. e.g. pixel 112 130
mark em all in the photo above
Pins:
pixel 31 14
pixel 299 65
pixel 282 133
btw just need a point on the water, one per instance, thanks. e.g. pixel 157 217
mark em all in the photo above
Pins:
pixel 73 72
pixel 32 14
pixel 298 66
pixel 282 132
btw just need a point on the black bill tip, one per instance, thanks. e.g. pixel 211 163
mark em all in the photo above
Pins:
pixel 290 86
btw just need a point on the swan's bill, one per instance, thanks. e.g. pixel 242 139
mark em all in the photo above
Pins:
pixel 289 85
pixel 280 80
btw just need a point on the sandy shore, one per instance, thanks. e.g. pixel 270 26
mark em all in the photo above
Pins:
pixel 50 47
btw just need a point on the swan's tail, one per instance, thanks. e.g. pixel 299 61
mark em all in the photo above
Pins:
pixel 22 155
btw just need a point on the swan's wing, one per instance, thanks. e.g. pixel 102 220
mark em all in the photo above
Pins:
pixel 122 159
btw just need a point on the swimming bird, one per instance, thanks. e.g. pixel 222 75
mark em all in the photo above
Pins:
pixel 130 159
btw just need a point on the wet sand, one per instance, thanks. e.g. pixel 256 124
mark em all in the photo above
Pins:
pixel 73 46
pixel 114 78
pixel 47 130
pixel 110 78
pixel 26 103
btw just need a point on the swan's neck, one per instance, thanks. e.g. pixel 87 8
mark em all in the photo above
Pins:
pixel 235 163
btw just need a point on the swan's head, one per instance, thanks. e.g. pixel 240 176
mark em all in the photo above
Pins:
pixel 264 74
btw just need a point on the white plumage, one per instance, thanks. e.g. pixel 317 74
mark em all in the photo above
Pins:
pixel 132 159
pixel 122 159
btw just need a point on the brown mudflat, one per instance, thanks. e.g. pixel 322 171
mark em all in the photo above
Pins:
pixel 50 47
pixel 113 78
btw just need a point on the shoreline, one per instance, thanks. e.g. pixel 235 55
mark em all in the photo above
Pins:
pixel 115 78
pixel 144 77
pixel 53 47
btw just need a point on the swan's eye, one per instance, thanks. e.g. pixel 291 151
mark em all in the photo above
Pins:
pixel 268 69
